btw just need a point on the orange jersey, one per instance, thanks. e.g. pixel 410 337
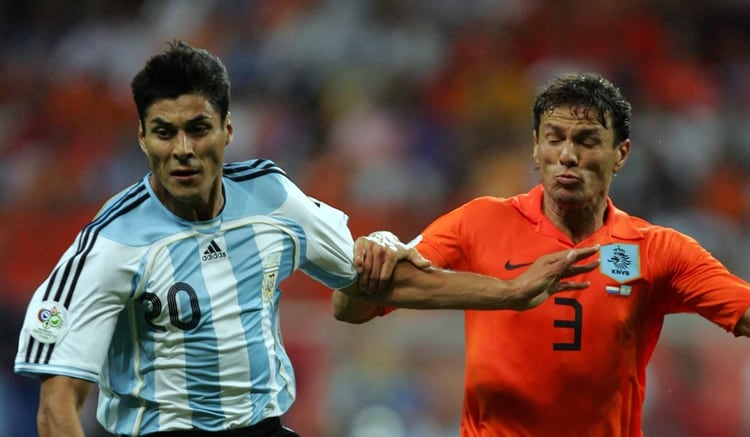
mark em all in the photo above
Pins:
pixel 576 365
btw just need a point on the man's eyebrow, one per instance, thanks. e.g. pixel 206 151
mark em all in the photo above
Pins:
pixel 161 122
pixel 553 127
pixel 577 132
pixel 589 131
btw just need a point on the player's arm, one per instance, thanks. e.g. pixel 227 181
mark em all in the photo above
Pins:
pixel 433 288
pixel 353 310
pixel 61 401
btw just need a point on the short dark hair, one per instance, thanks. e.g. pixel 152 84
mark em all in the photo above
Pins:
pixel 179 70
pixel 587 91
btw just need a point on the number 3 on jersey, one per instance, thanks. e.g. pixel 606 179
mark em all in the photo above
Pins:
pixel 575 324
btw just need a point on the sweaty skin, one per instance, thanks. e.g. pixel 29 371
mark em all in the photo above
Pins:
pixel 577 161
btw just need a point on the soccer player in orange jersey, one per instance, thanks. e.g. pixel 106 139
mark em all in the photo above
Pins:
pixel 576 364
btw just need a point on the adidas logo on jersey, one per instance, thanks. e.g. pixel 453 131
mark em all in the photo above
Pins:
pixel 213 252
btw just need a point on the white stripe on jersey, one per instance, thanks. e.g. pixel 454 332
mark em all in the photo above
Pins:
pixel 234 364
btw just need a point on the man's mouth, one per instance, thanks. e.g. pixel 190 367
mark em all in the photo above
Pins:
pixel 567 179
pixel 184 173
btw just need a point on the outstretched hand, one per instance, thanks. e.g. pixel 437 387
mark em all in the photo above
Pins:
pixel 376 256
pixel 543 278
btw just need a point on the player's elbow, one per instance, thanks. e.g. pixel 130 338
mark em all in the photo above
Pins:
pixel 743 325
pixel 350 310
pixel 349 318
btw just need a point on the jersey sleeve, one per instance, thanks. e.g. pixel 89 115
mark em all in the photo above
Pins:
pixel 71 316
pixel 441 241
pixel 700 282
pixel 328 249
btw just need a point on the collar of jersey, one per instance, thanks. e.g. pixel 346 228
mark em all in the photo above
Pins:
pixel 204 226
pixel 618 223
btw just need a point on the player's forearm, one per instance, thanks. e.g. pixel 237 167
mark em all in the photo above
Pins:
pixel 441 289
pixel 59 421
pixel 61 401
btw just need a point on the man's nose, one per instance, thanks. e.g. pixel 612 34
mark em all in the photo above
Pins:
pixel 569 154
pixel 183 145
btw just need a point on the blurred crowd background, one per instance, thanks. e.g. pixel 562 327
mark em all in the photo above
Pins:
pixel 394 111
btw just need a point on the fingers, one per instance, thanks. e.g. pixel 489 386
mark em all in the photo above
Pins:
pixel 578 269
pixel 384 274
pixel 573 256
pixel 360 251
pixel 363 263
pixel 375 264
pixel 376 257
pixel 581 253
pixel 570 285
pixel 417 259
pixel 567 264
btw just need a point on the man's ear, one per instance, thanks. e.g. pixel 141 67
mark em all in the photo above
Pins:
pixel 141 137
pixel 534 151
pixel 229 128
pixel 623 150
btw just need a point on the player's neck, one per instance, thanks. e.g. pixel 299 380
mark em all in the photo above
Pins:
pixel 200 208
pixel 578 221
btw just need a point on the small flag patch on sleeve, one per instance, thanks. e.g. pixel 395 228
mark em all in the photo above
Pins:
pixel 622 290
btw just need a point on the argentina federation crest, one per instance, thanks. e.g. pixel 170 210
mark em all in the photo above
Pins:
pixel 620 262
pixel 271 264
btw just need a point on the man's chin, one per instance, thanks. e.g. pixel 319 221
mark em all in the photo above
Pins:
pixel 564 195
pixel 184 196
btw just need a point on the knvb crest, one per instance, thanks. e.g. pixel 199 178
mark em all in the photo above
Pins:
pixel 621 262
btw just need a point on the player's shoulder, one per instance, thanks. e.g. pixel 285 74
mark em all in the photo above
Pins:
pixel 252 169
pixel 132 217
pixel 638 223
pixel 649 230
pixel 259 178
pixel 260 187
pixel 487 207
pixel 488 202
pixel 123 201
pixel 480 212
pixel 642 224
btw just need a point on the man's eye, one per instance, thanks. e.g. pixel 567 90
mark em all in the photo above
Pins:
pixel 162 133
pixel 199 129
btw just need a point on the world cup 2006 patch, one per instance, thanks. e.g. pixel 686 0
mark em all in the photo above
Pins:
pixel 620 262
pixel 49 323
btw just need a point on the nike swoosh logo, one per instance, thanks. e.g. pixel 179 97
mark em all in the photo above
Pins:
pixel 509 266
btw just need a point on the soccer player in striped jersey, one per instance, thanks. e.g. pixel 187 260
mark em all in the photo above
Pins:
pixel 576 364
pixel 169 298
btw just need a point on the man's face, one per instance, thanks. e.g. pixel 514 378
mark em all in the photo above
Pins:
pixel 577 156
pixel 184 140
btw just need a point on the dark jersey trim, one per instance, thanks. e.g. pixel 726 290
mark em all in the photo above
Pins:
pixel 66 287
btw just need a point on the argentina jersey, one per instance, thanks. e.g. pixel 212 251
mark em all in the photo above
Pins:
pixel 166 314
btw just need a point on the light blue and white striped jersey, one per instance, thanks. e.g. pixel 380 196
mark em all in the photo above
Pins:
pixel 178 321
